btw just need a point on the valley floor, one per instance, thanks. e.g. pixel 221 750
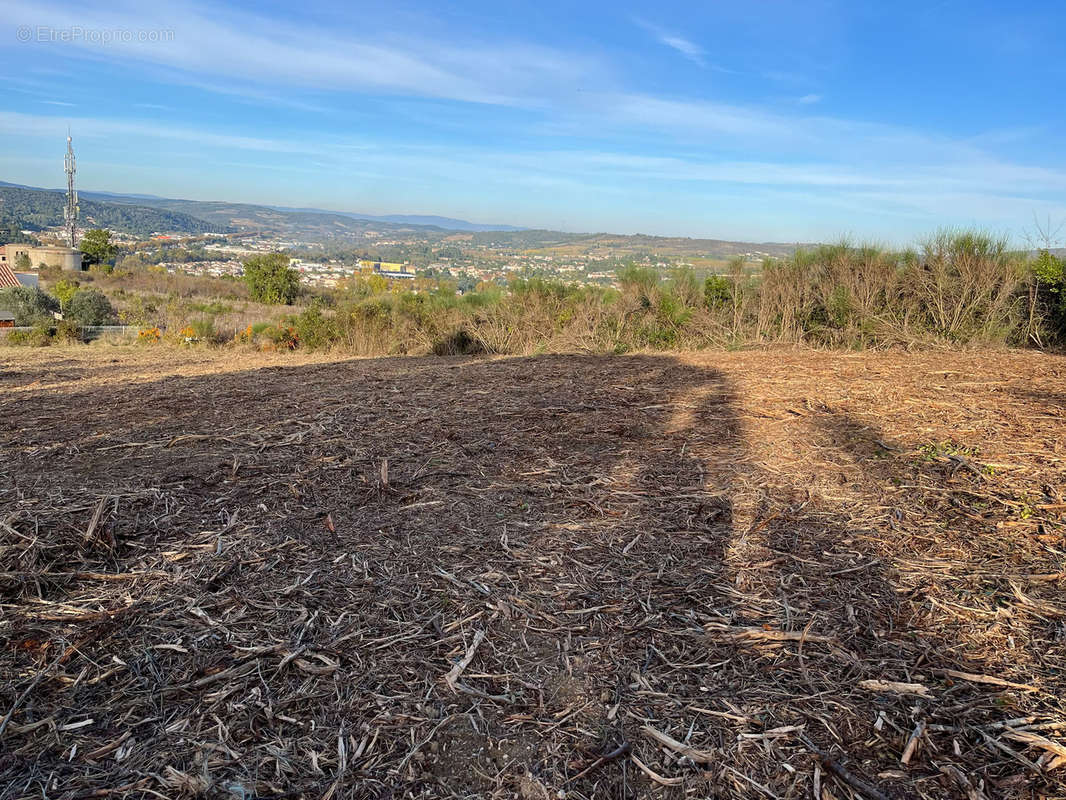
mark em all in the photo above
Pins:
pixel 758 574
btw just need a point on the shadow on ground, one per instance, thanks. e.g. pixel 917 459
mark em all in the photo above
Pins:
pixel 254 584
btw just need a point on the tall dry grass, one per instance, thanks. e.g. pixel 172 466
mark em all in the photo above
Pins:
pixel 955 289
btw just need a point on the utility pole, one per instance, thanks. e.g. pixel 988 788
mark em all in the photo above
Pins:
pixel 70 212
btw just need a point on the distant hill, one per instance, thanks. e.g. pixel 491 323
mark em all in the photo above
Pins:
pixel 447 223
pixel 310 224
pixel 302 220
pixel 24 207
pixel 131 213
pixel 637 245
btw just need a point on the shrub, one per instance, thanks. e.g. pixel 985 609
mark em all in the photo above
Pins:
pixel 314 330
pixel 204 329
pixel 1048 297
pixel 641 281
pixel 965 286
pixel 39 336
pixel 253 333
pixel 29 305
pixel 717 292
pixel 139 311
pixel 198 331
pixel 281 337
pixel 544 290
pixel 458 343
pixel 686 287
pixel 69 331
pixel 90 307
pixel 271 280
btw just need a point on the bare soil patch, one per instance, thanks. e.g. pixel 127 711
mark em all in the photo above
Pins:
pixel 767 574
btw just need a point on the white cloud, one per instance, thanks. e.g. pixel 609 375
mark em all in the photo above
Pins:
pixel 760 134
pixel 249 48
pixel 13 123
pixel 690 50
pixel 702 147
pixel 968 174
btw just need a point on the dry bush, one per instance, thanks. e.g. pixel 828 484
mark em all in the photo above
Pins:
pixel 965 287
pixel 156 281
pixel 961 288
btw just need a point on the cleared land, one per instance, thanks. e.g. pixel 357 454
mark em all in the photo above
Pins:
pixel 770 574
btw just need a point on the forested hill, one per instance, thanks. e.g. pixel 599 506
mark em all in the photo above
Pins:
pixel 40 208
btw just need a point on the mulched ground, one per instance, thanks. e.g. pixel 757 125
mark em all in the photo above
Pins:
pixel 765 574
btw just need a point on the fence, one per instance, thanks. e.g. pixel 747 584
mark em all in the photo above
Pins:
pixel 88 331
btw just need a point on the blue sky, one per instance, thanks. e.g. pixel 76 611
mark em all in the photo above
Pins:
pixel 765 120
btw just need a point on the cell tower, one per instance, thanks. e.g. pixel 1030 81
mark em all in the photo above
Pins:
pixel 70 212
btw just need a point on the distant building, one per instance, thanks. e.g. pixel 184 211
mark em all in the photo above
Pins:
pixel 390 269
pixel 9 279
pixel 63 257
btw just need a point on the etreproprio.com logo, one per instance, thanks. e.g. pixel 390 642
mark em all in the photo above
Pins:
pixel 78 34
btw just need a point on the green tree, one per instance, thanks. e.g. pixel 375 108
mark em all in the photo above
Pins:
pixel 1049 285
pixel 22 262
pixel 717 291
pixel 64 291
pixel 270 279
pixel 29 304
pixel 97 246
pixel 90 307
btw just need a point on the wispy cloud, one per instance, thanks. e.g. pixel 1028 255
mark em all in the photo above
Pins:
pixel 251 48
pixel 576 129
pixel 690 50
pixel 17 124
pixel 968 173
pixel 760 132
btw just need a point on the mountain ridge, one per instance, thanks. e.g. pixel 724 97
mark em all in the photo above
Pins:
pixel 421 220
pixel 353 228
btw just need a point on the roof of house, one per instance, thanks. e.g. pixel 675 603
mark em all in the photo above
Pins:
pixel 7 277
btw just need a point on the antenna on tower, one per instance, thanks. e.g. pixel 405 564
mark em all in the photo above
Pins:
pixel 70 211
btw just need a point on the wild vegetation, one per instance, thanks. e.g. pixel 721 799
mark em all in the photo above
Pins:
pixel 955 289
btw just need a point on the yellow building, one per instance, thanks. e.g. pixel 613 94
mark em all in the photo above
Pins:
pixel 389 269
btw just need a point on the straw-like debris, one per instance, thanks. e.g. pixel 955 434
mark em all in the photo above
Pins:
pixel 772 574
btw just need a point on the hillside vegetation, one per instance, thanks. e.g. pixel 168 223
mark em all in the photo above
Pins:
pixel 37 209
pixel 958 289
